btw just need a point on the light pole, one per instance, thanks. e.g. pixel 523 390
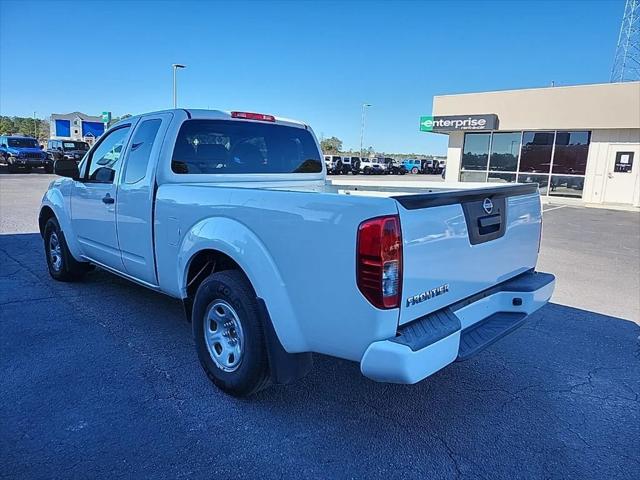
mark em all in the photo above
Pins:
pixel 175 67
pixel 364 105
pixel 35 126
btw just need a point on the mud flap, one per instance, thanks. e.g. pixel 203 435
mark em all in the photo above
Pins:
pixel 285 367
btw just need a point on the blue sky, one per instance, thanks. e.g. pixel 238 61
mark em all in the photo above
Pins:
pixel 313 61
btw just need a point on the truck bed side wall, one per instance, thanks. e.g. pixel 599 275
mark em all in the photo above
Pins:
pixel 298 250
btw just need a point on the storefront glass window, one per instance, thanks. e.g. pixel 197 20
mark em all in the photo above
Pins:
pixel 563 186
pixel 505 148
pixel 536 152
pixel 500 177
pixel 558 168
pixel 541 180
pixel 570 156
pixel 473 176
pixel 476 151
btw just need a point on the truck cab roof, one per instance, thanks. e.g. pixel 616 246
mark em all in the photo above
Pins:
pixel 203 114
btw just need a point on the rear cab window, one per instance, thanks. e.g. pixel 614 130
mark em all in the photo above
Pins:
pixel 242 147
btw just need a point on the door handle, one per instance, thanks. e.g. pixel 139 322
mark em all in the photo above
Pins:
pixel 108 199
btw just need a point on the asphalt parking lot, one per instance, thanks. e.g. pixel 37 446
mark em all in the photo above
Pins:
pixel 101 379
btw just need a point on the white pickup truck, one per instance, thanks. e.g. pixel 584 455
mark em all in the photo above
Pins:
pixel 232 214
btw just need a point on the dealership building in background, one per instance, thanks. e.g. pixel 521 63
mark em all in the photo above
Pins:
pixel 76 126
pixel 580 142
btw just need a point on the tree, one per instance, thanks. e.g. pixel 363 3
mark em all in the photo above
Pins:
pixel 331 145
pixel 6 125
pixel 25 126
pixel 115 120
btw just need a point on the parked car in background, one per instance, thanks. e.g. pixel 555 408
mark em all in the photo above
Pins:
pixel 332 162
pixel 372 166
pixel 22 153
pixel 355 165
pixel 381 164
pixel 432 166
pixel 394 167
pixel 413 165
pixel 343 166
pixel 67 149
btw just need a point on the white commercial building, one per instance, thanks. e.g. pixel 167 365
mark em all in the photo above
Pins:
pixel 581 142
pixel 76 126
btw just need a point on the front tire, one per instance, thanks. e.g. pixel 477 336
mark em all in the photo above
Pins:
pixel 12 167
pixel 62 266
pixel 229 334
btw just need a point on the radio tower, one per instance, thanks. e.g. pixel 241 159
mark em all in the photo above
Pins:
pixel 626 63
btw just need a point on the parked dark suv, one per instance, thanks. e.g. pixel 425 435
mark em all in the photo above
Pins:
pixel 23 153
pixel 394 167
pixel 67 149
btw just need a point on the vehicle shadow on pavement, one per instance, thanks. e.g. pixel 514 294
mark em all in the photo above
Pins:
pixel 101 376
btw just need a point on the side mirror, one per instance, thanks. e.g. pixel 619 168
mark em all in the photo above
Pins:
pixel 41 147
pixel 66 168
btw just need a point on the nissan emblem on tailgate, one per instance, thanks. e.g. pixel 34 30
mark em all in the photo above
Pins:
pixel 487 205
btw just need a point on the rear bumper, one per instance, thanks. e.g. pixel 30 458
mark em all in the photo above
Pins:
pixel 457 332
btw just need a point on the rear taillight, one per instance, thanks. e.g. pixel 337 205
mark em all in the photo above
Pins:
pixel 253 116
pixel 379 261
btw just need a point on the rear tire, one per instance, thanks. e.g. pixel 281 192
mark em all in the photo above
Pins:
pixel 48 168
pixel 414 170
pixel 229 335
pixel 62 266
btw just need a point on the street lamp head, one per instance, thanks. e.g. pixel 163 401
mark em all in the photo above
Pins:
pixel 178 65
pixel 367 105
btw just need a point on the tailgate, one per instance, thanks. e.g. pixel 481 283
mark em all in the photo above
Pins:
pixel 459 242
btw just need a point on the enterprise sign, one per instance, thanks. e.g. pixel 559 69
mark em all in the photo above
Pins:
pixel 453 123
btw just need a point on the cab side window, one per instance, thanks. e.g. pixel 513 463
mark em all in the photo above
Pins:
pixel 138 158
pixel 106 158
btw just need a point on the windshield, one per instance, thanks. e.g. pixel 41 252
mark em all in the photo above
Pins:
pixel 227 146
pixel 75 146
pixel 22 142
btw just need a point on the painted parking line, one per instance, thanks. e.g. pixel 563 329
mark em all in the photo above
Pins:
pixel 553 208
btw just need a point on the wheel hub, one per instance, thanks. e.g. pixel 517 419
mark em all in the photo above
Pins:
pixel 55 252
pixel 224 336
